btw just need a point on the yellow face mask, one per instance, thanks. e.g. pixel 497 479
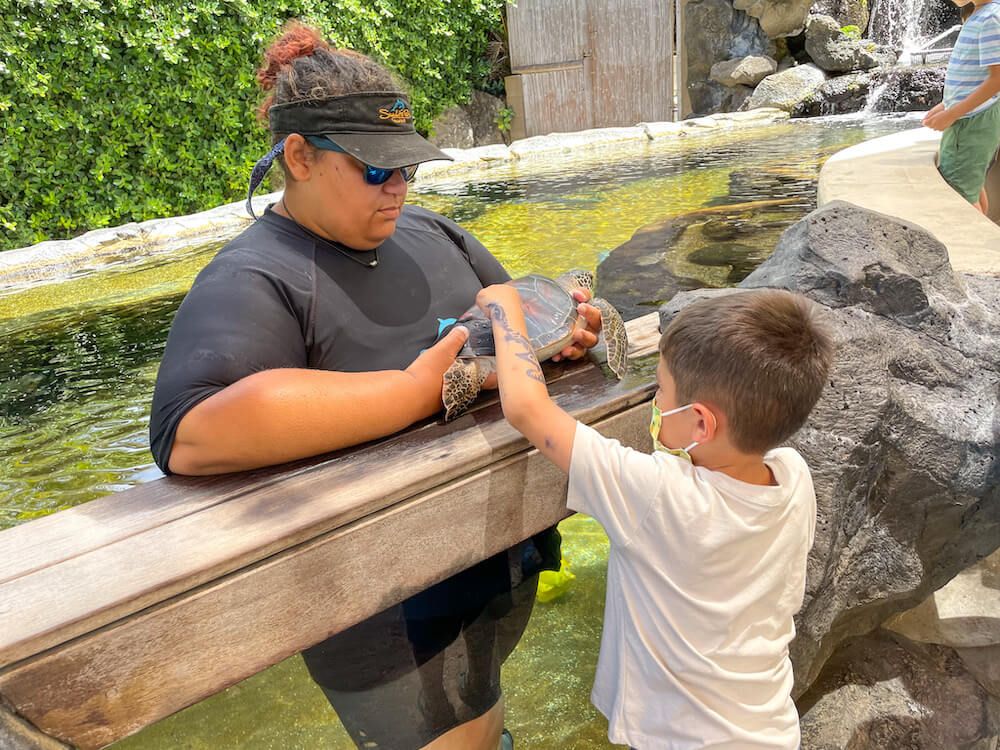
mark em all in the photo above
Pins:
pixel 654 431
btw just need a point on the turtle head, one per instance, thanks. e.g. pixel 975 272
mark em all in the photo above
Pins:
pixel 577 279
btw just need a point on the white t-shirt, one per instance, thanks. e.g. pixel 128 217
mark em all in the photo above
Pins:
pixel 704 575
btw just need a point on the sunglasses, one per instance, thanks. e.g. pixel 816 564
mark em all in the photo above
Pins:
pixel 373 175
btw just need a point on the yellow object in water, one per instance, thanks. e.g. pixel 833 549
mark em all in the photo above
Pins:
pixel 554 583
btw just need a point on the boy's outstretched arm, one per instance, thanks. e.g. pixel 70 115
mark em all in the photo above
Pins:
pixel 523 395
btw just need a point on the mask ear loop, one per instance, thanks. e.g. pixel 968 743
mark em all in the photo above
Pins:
pixel 260 169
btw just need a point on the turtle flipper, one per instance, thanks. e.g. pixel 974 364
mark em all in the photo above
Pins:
pixel 614 335
pixel 462 383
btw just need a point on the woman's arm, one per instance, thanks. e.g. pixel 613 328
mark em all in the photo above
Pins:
pixel 281 415
pixel 523 395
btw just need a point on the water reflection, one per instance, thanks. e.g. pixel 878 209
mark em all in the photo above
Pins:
pixel 74 398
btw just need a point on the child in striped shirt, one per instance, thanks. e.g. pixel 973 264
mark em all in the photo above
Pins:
pixel 970 112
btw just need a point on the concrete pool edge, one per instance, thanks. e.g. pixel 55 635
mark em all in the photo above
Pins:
pixel 57 260
pixel 897 175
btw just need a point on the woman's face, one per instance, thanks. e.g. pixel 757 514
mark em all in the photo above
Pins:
pixel 345 207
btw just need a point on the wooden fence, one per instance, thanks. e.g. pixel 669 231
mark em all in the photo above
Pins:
pixel 579 64
pixel 129 608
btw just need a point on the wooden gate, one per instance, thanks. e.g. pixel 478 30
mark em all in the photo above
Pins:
pixel 579 64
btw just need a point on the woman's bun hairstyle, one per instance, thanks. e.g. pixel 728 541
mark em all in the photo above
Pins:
pixel 301 65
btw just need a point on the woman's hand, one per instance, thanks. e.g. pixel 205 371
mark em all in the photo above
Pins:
pixel 583 338
pixel 429 367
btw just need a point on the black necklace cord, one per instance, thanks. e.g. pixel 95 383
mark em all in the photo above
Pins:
pixel 349 254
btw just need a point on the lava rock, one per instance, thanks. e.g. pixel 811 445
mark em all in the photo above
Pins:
pixel 837 96
pixel 902 445
pixel 745 71
pixel 846 12
pixel 716 33
pixel 883 691
pixel 787 89
pixel 777 17
pixel 832 50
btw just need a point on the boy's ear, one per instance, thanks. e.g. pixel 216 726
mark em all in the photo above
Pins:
pixel 708 423
pixel 297 157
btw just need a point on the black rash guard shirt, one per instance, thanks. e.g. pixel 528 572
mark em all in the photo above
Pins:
pixel 277 297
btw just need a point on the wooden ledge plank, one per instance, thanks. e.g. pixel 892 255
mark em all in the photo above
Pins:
pixel 59 602
pixel 70 533
pixel 116 680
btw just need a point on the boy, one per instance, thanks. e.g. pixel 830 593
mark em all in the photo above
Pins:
pixel 970 112
pixel 709 535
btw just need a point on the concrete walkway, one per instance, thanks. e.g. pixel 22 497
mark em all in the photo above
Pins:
pixel 897 175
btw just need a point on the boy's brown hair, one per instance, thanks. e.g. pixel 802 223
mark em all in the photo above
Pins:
pixel 760 356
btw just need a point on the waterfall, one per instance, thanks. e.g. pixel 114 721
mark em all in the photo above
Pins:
pixel 909 25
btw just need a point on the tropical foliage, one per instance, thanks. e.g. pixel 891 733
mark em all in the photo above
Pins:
pixel 124 110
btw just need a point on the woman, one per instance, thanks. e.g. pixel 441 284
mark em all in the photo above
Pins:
pixel 304 335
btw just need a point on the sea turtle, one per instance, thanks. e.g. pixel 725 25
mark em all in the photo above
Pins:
pixel 551 317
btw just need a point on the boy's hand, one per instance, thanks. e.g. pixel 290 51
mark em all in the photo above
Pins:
pixel 939 118
pixel 933 111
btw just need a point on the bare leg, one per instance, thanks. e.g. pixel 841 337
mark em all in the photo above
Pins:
pixel 482 733
pixel 984 203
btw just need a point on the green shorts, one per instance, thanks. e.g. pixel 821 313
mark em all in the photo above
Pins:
pixel 967 150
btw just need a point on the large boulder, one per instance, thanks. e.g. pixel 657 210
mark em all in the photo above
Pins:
pixel 777 17
pixel 882 691
pixel 846 12
pixel 897 89
pixel 913 88
pixel 837 96
pixel 483 111
pixel 834 51
pixel 785 90
pixel 744 71
pixel 469 125
pixel 963 614
pixel 452 129
pixel 903 443
pixel 716 33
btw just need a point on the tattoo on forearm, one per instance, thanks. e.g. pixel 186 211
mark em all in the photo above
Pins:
pixel 526 353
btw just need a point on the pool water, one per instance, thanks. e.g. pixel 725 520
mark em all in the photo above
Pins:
pixel 78 360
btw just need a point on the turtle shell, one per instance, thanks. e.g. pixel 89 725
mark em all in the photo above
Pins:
pixel 549 313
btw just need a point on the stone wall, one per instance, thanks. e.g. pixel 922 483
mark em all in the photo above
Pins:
pixel 827 35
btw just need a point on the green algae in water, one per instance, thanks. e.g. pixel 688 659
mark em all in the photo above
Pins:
pixel 552 237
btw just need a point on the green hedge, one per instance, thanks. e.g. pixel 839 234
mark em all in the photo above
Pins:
pixel 125 110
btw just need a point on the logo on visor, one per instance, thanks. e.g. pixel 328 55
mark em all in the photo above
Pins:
pixel 399 112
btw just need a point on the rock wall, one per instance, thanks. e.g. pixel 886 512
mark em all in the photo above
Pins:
pixel 470 125
pixel 722 36
pixel 716 32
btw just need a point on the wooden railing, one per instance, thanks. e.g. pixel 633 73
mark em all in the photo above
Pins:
pixel 129 608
